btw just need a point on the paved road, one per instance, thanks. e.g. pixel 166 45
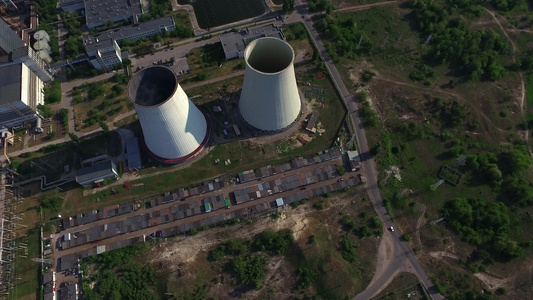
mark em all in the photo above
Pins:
pixel 401 252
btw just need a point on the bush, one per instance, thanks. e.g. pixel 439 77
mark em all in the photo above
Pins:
pixel 274 242
pixel 312 239
pixel 406 237
pixel 341 170
pixel 306 277
pixel 52 203
pixel 347 249
pixel 64 116
pixel 319 205
pixel 104 126
pixel 249 269
pixel 45 111
pixel 52 92
pixel 367 76
pixel 74 137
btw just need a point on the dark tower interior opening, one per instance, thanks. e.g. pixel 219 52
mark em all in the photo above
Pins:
pixel 269 55
pixel 152 86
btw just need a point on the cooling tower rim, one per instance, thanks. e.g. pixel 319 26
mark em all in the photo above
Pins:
pixel 284 43
pixel 162 102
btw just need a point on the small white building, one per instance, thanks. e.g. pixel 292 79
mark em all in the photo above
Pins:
pixel 279 202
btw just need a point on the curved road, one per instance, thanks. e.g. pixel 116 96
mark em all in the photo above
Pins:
pixel 401 254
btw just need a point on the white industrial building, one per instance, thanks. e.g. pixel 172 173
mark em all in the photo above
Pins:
pixel 20 93
pixel 103 54
pixel 269 100
pixel 234 43
pixel 173 128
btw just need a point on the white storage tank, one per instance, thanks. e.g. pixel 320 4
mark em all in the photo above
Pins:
pixel 41 35
pixel 173 128
pixel 269 99
pixel 45 56
pixel 41 45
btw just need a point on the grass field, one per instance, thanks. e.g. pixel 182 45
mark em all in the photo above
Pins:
pixel 90 111
pixel 26 269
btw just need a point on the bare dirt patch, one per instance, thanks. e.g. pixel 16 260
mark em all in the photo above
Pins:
pixel 183 260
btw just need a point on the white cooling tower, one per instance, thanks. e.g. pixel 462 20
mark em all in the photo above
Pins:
pixel 174 129
pixel 269 98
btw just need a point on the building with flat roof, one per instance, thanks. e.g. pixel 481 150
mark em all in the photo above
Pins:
pixel 20 93
pixel 69 292
pixel 138 31
pixel 70 5
pixel 234 43
pixel 99 12
pixel 103 54
pixel 97 173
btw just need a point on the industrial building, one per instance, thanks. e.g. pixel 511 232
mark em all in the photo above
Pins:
pixel 269 100
pixel 173 128
pixel 234 43
pixel 138 31
pixel 20 93
pixel 100 12
pixel 96 173
pixel 104 54
pixel 22 77
pixel 70 5
pixel 14 51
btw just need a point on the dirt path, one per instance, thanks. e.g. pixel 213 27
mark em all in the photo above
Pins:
pixel 419 222
pixel 522 96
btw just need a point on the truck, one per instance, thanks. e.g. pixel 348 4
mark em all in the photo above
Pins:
pixel 207 207
pixel 226 202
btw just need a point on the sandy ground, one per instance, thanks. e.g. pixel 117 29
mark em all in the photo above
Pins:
pixel 185 249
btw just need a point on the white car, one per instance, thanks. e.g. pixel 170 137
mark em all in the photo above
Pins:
pixel 391 229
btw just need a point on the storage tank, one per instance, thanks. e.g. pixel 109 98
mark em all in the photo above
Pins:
pixel 41 35
pixel 269 98
pixel 45 56
pixel 41 45
pixel 173 128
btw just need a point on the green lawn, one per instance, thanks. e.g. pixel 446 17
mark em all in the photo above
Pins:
pixel 25 268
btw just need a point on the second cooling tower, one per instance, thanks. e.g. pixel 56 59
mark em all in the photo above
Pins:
pixel 269 98
pixel 174 129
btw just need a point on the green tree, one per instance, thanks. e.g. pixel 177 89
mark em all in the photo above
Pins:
pixel 288 5
pixel 307 277
pixel 515 161
pixel 45 111
pixel 249 269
